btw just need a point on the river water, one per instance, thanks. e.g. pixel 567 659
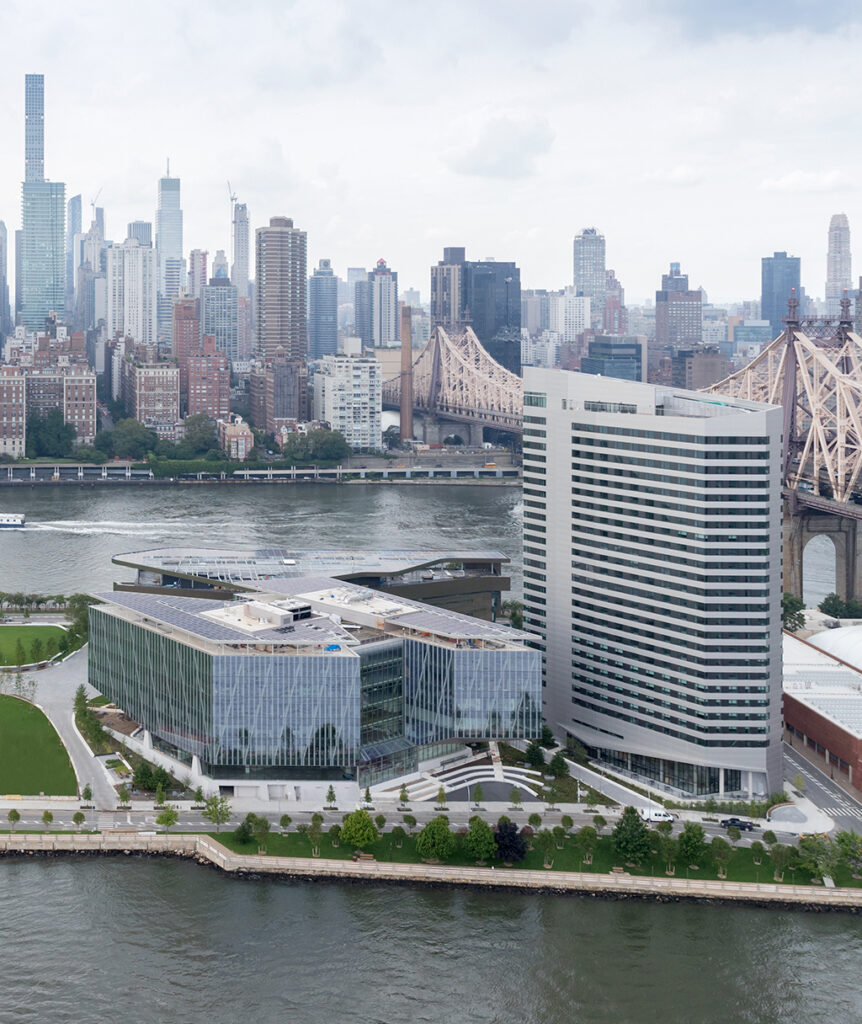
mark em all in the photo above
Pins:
pixel 161 941
pixel 158 941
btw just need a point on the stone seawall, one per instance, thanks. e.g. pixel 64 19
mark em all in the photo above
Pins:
pixel 205 850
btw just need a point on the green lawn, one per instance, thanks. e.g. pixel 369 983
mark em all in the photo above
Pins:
pixel 741 868
pixel 10 635
pixel 32 758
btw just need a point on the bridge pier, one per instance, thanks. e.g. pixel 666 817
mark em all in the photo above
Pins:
pixel 434 431
pixel 846 536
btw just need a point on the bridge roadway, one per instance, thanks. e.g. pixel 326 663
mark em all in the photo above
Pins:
pixel 124 473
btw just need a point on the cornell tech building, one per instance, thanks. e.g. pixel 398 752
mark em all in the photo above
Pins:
pixel 652 574
pixel 310 678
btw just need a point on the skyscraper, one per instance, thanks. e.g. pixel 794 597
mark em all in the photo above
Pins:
pixel 447 289
pixel 239 270
pixel 142 230
pixel 219 311
pixel 838 268
pixel 492 296
pixel 678 312
pixel 589 271
pixel 131 291
pixel 322 312
pixel 197 273
pixel 5 311
pixel 663 662
pixel 169 251
pixel 779 276
pixel 384 306
pixel 280 289
pixel 43 210
pixel 73 228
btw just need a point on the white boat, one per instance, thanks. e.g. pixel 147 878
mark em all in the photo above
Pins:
pixel 11 521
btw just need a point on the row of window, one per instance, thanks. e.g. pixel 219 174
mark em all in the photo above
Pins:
pixel 677 454
pixel 607 612
pixel 716 476
pixel 664 436
pixel 693 547
pixel 623 604
pixel 653 570
pixel 602 555
pixel 682 703
pixel 664 636
pixel 712 524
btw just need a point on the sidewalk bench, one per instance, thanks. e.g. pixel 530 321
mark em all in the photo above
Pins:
pixel 364 856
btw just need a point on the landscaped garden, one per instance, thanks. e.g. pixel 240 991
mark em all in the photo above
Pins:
pixel 24 645
pixel 631 848
pixel 32 758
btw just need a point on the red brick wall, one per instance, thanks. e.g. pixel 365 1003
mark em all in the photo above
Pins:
pixel 825 732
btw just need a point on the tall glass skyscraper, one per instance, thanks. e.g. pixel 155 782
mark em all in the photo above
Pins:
pixel 43 220
pixel 169 251
pixel 588 270
pixel 779 275
pixel 322 312
pixel 838 263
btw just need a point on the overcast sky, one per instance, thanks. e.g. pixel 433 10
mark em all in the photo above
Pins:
pixel 708 133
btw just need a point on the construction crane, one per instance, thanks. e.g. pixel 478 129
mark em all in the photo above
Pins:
pixel 232 196
pixel 93 202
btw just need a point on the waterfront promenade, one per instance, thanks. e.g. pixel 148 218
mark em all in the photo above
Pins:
pixel 206 850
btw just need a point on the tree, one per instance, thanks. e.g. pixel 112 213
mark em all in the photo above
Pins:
pixel 200 437
pixel 79 702
pixel 692 843
pixel 558 765
pixel 243 832
pixel 380 821
pixel 131 439
pixel 78 818
pixel 600 823
pixel 335 836
pixel 169 817
pixel 260 830
pixel 441 797
pixel 757 851
pixel 515 797
pixel 535 756
pixel 409 821
pixel 850 846
pixel 123 793
pixel 734 835
pixel 436 841
pixel 567 821
pixel 511 846
pixel 798 781
pixel 330 796
pixel 545 845
pixel 547 738
pixel 403 796
pixel 285 821
pixel 669 850
pixel 721 854
pixel 50 436
pixel 367 796
pixel 478 794
pixel 47 818
pixel 559 834
pixel 14 817
pixel 819 856
pixel 585 841
pixel 479 842
pixel 631 837
pixel 769 837
pixel 514 612
pixel 358 830
pixel 37 651
pixel 398 836
pixel 535 820
pixel 314 834
pixel 87 794
pixel 792 618
pixel 781 857
pixel 217 810
pixel 833 605
pixel 199 795
pixel 317 818
pixel 392 437
pixel 160 794
pixel 20 656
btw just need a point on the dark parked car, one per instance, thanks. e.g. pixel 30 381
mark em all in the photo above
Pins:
pixel 740 823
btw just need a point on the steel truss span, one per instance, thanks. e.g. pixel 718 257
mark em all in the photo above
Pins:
pixel 454 377
pixel 813 370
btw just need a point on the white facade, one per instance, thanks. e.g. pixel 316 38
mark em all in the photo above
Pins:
pixel 652 573
pixel 130 273
pixel 569 314
pixel 384 308
pixel 348 395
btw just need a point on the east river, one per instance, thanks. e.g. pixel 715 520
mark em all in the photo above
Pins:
pixel 164 941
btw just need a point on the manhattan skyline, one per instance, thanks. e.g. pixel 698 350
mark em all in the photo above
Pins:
pixel 573 122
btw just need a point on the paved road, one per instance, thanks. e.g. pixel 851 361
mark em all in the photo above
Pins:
pixel 56 692
pixel 822 791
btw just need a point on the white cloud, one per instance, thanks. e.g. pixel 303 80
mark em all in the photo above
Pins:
pixel 809 181
pixel 504 147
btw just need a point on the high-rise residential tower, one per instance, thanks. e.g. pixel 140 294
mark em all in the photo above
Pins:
pixel 73 228
pixel 385 324
pixel 169 251
pixel 197 272
pixel 240 237
pixel 280 289
pixel 43 220
pixel 678 312
pixel 838 263
pixel 5 311
pixel 131 291
pixel 322 312
pixel 779 278
pixel 589 274
pixel 662 624
pixel 142 230
pixel 219 311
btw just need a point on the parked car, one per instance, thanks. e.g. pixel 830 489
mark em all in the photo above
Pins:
pixel 740 823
